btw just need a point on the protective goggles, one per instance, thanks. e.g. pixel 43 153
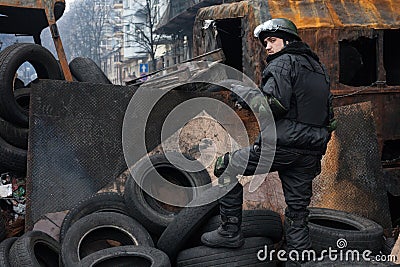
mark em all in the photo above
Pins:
pixel 267 26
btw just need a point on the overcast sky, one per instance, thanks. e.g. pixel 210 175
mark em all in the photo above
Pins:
pixel 67 3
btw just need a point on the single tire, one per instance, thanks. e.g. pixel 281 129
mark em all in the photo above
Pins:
pixel 102 202
pixel 148 210
pixel 14 135
pixel 35 249
pixel 127 256
pixel 246 255
pixel 94 232
pixel 5 247
pixel 11 58
pixel 255 223
pixel 328 227
pixel 188 221
pixel 12 158
pixel 86 70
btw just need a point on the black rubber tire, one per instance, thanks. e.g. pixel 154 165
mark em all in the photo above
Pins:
pixel 5 247
pixel 188 221
pixel 388 245
pixel 327 226
pixel 101 202
pixel 12 158
pixel 145 208
pixel 14 135
pixel 127 256
pixel 23 97
pixel 11 58
pixel 246 255
pixel 18 83
pixel 33 249
pixel 3 230
pixel 86 70
pixel 255 223
pixel 97 227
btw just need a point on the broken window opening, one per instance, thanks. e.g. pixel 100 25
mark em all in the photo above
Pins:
pixel 357 62
pixel 230 34
pixel 391 151
pixel 391 56
pixel 394 209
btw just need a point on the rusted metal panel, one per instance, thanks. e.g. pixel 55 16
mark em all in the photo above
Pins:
pixel 224 11
pixel 180 14
pixel 31 17
pixel 24 4
pixel 352 178
pixel 334 13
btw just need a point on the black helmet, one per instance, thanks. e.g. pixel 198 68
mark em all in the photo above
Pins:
pixel 278 27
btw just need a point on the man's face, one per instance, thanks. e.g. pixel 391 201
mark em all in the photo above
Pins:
pixel 273 45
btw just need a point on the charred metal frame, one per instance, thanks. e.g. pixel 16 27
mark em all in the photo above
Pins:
pixel 17 20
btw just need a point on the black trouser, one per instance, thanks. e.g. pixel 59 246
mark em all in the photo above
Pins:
pixel 296 172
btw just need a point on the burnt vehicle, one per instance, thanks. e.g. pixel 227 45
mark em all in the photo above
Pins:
pixel 357 43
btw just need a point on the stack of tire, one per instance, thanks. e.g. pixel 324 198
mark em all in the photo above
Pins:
pixel 135 229
pixel 15 96
pixel 14 101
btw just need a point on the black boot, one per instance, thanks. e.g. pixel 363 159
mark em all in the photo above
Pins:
pixel 297 234
pixel 229 233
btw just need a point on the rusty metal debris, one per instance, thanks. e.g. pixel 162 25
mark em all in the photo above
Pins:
pixel 30 17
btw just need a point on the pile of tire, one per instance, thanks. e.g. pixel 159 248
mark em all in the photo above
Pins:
pixel 14 100
pixel 135 229
pixel 15 96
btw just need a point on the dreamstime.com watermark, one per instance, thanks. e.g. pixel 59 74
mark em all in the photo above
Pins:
pixel 332 254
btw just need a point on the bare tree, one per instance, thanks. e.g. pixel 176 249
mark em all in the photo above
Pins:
pixel 84 27
pixel 145 23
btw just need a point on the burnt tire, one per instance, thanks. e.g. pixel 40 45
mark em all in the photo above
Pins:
pixel 86 70
pixel 189 220
pixel 127 256
pixel 35 249
pixel 14 135
pixel 255 223
pixel 101 202
pixel 145 208
pixel 246 255
pixel 93 232
pixel 5 247
pixel 12 158
pixel 11 58
pixel 327 226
